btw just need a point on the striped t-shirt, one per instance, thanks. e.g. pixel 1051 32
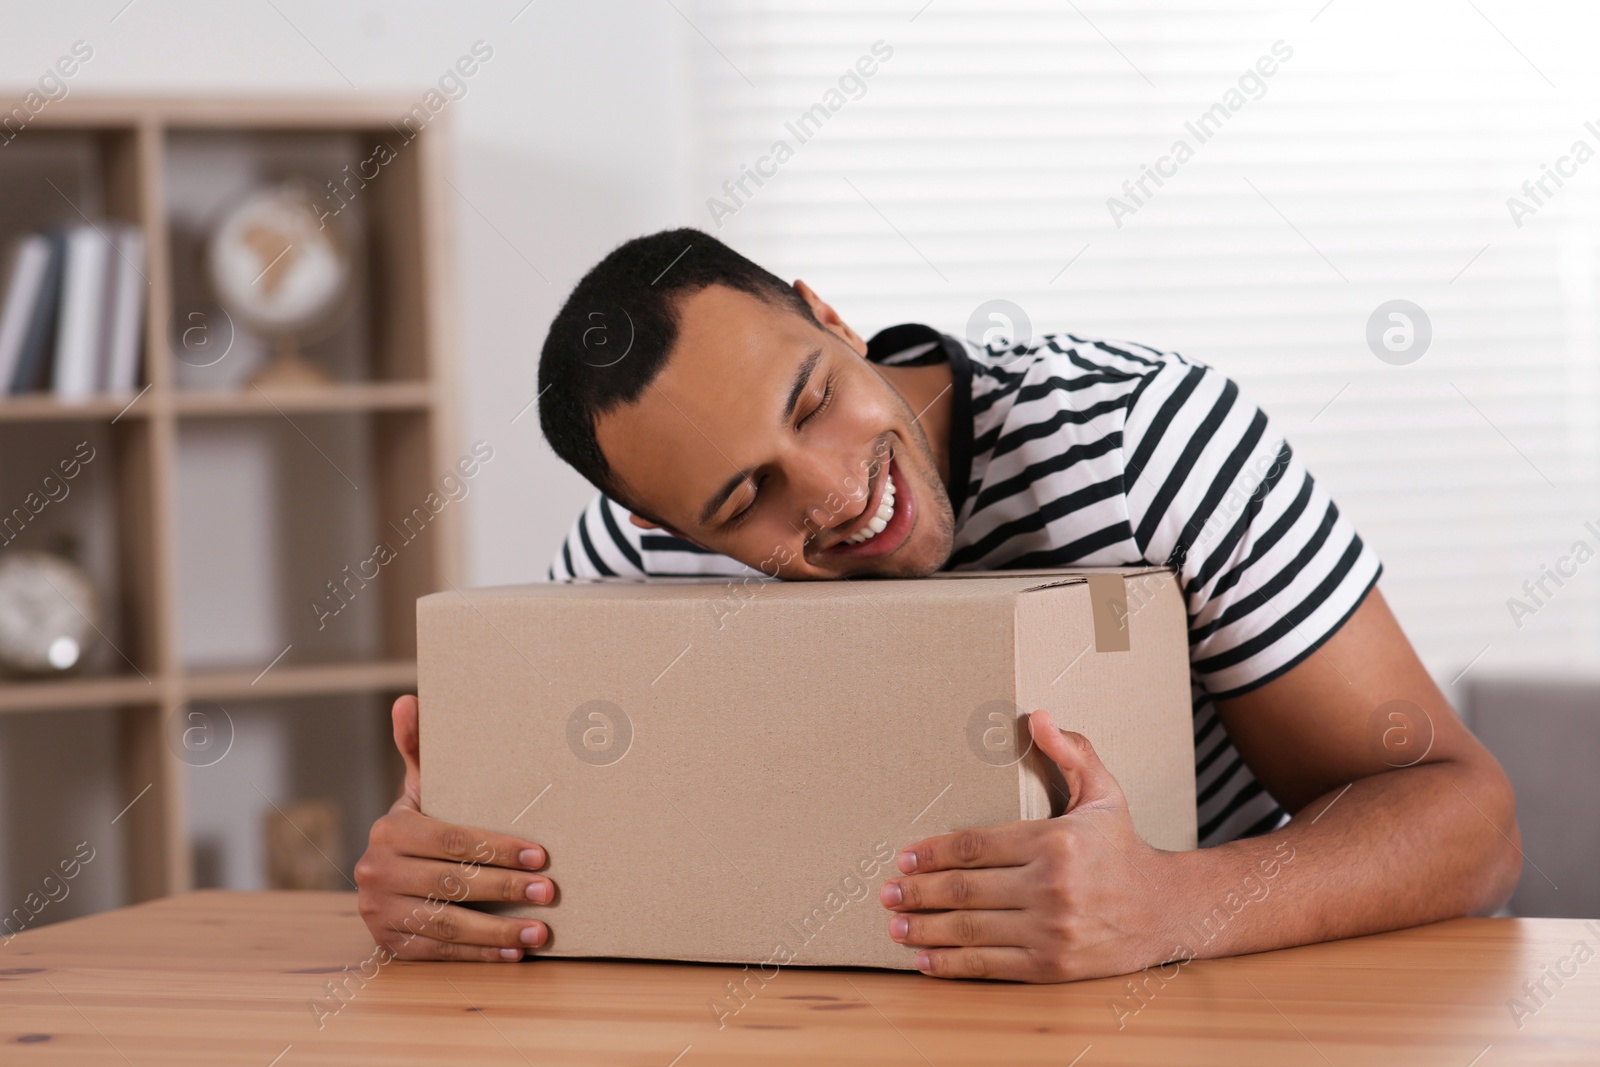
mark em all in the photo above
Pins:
pixel 1071 451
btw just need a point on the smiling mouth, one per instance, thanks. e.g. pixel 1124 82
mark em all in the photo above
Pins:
pixel 886 526
pixel 880 519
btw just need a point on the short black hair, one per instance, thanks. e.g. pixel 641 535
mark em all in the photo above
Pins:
pixel 610 339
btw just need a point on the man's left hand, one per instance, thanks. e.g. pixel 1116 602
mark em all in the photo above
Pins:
pixel 1041 900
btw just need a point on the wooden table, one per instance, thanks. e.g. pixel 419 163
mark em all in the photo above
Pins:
pixel 232 978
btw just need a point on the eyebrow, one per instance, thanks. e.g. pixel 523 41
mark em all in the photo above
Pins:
pixel 796 387
pixel 802 376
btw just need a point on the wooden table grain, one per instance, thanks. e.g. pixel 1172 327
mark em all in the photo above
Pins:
pixel 288 979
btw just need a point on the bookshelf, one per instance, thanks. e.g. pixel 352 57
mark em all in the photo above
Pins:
pixel 389 418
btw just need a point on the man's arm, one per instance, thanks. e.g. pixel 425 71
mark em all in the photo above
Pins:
pixel 1427 827
pixel 1400 817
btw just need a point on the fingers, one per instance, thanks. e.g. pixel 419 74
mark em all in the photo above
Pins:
pixel 998 888
pixel 426 948
pixel 1012 964
pixel 979 846
pixel 412 833
pixel 456 925
pixel 448 881
pixel 406 739
pixel 417 867
pixel 433 930
pixel 1089 783
pixel 986 928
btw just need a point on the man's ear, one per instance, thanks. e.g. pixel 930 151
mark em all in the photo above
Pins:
pixel 830 318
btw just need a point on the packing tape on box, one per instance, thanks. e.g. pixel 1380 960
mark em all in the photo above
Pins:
pixel 1108 601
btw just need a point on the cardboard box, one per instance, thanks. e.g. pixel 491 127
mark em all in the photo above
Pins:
pixel 723 771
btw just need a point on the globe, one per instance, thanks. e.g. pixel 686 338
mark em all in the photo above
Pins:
pixel 280 273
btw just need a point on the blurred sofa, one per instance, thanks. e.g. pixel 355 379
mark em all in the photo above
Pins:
pixel 1547 736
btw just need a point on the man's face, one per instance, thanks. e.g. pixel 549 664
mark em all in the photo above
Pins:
pixel 774 441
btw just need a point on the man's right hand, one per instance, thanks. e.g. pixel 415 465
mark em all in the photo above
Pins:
pixel 417 870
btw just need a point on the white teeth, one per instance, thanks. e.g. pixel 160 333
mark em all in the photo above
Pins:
pixel 880 518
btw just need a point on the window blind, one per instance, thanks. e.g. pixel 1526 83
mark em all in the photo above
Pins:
pixel 996 150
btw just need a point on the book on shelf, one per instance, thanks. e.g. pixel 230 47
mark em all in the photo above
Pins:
pixel 38 338
pixel 72 311
pixel 126 314
pixel 30 261
pixel 80 329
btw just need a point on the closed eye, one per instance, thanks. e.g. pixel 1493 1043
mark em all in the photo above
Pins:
pixel 827 398
pixel 744 512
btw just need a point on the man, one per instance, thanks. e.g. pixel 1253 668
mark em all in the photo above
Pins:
pixel 736 425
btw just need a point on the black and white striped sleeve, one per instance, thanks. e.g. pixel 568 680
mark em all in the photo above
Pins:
pixel 602 542
pixel 1270 568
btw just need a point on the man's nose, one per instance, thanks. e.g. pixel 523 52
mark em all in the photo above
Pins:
pixel 822 486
